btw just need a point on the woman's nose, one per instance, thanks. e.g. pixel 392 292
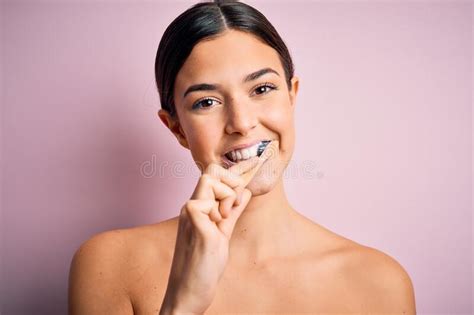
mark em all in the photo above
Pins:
pixel 241 118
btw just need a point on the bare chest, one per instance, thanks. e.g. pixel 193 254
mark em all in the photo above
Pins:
pixel 281 288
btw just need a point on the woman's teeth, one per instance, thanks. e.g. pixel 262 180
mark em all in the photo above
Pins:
pixel 247 153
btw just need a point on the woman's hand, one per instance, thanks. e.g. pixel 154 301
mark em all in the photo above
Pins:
pixel 205 227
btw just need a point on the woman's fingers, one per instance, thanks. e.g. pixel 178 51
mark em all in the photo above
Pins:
pixel 229 178
pixel 224 186
pixel 244 166
pixel 198 211
pixel 209 187
pixel 213 189
pixel 221 190
pixel 238 190
pixel 227 226
pixel 234 177
pixel 214 214
pixel 225 205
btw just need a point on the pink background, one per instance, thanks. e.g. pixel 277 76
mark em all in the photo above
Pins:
pixel 384 139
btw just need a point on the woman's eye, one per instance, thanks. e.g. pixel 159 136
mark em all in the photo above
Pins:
pixel 204 103
pixel 264 88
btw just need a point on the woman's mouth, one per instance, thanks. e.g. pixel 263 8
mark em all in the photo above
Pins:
pixel 235 156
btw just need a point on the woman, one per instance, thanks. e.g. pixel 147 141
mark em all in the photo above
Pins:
pixel 228 92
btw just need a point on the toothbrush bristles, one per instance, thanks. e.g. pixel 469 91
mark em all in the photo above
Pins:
pixel 262 147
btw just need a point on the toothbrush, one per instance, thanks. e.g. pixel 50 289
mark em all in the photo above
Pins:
pixel 262 146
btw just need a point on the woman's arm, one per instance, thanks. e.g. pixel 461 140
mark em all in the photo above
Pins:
pixel 95 282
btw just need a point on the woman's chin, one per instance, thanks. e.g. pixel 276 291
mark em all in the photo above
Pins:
pixel 266 177
pixel 257 188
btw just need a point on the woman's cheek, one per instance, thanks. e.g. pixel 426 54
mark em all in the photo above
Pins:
pixel 281 120
pixel 279 112
pixel 204 142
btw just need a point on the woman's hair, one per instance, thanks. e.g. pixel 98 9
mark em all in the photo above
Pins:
pixel 203 21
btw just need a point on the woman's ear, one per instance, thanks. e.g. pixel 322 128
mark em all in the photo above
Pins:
pixel 294 89
pixel 173 124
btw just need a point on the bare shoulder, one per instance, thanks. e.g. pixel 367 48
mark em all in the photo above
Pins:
pixel 94 287
pixel 373 281
pixel 380 283
pixel 102 266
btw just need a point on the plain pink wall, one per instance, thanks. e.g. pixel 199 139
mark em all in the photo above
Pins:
pixel 383 153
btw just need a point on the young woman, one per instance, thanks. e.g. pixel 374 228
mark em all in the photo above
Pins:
pixel 228 92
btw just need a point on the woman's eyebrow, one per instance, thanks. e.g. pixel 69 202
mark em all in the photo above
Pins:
pixel 212 87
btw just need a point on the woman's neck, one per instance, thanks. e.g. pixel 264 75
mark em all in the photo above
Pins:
pixel 264 229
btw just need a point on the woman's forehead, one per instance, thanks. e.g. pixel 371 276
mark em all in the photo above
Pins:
pixel 228 57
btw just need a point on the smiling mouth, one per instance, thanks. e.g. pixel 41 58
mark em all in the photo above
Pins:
pixel 235 156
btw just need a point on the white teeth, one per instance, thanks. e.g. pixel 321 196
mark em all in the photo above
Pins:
pixel 253 150
pixel 244 154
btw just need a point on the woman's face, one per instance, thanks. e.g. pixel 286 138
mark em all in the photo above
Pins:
pixel 219 106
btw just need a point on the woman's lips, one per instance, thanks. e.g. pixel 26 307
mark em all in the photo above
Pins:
pixel 228 163
pixel 244 145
